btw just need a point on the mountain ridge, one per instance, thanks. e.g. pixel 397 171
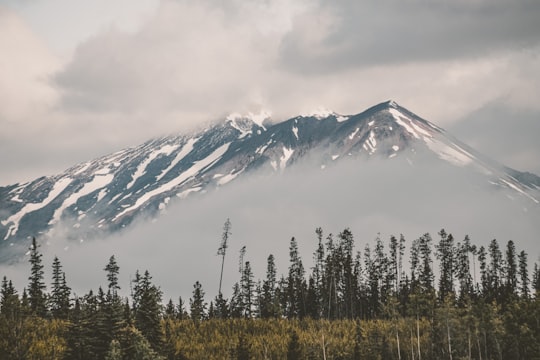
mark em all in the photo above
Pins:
pixel 108 193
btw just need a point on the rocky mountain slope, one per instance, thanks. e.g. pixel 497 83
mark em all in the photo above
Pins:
pixel 108 193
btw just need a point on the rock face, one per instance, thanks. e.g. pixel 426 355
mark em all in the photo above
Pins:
pixel 107 193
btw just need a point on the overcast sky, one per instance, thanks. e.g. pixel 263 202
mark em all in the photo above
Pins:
pixel 82 79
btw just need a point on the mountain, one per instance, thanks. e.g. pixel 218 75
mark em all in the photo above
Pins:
pixel 108 193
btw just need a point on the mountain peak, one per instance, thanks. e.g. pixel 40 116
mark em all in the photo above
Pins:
pixel 391 103
pixel 113 189
pixel 257 118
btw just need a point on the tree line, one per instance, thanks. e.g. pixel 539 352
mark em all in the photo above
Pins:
pixel 376 303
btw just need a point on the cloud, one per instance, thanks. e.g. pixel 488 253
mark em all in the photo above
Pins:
pixel 374 197
pixel 504 133
pixel 24 67
pixel 348 34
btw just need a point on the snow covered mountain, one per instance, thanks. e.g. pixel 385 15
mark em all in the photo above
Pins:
pixel 108 193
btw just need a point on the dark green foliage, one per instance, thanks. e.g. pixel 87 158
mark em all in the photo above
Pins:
pixel 296 285
pixel 269 306
pixel 247 288
pixel 60 292
pixel 113 270
pixel 36 288
pixel 147 309
pixel 524 275
pixel 445 255
pixel 197 305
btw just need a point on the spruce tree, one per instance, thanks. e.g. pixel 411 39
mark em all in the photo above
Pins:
pixel 426 262
pixel 247 288
pixel 445 254
pixel 197 304
pixel 511 271
pixel 36 288
pixel 296 284
pixel 268 296
pixel 60 292
pixel 9 300
pixel 148 314
pixel 463 269
pixel 495 272
pixel 170 310
pixel 536 280
pixel 112 270
pixel 524 275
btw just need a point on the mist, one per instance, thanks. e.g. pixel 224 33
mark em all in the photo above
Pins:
pixel 372 198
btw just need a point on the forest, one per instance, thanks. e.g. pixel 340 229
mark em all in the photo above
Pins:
pixel 436 298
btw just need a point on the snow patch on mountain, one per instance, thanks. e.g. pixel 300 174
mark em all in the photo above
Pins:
pixel 197 166
pixel 14 220
pixel 448 153
pixel 519 190
pixel 353 134
pixel 186 149
pixel 400 121
pixel 141 169
pixel 98 182
pixel 295 132
pixel 287 153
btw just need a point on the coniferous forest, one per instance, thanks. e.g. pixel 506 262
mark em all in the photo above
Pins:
pixel 436 298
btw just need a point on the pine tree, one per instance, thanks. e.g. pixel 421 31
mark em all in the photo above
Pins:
pixel 445 254
pixel 113 270
pixel 425 276
pixel 148 313
pixel 484 277
pixel 170 310
pixel 181 310
pixel 511 271
pixel 393 264
pixel 349 280
pixel 196 303
pixel 223 248
pixel 236 307
pixel 36 288
pixel 269 306
pixel 536 280
pixel 373 281
pixel 381 266
pixel 524 275
pixel 495 272
pixel 221 307
pixel 247 288
pixel 318 268
pixel 296 284
pixel 60 292
pixel 463 269
pixel 9 300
